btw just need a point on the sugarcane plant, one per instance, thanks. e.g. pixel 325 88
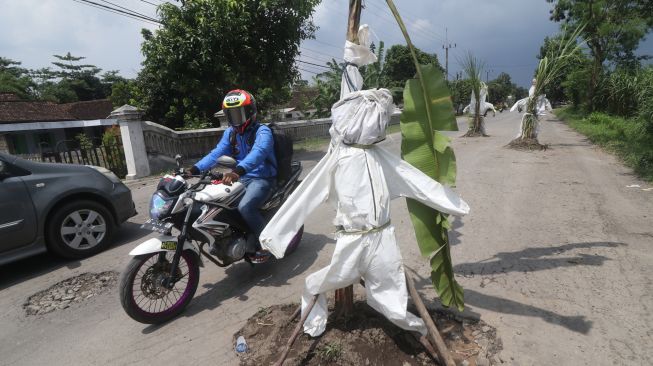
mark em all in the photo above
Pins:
pixel 473 68
pixel 427 111
pixel 548 69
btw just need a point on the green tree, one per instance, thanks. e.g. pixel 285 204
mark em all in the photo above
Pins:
pixel 500 88
pixel 124 92
pixel 328 85
pixel 373 73
pixel 81 79
pixel 613 30
pixel 461 89
pixel 399 66
pixel 15 79
pixel 204 48
pixel 560 89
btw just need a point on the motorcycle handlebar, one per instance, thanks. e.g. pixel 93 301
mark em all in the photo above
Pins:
pixel 205 179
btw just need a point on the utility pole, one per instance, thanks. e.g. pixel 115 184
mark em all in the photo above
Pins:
pixel 446 46
pixel 487 75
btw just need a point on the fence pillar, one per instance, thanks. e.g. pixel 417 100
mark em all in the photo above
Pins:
pixel 4 143
pixel 131 131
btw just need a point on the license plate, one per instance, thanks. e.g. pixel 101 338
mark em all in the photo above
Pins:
pixel 156 225
pixel 169 245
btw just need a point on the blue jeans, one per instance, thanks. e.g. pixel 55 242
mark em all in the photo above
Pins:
pixel 257 191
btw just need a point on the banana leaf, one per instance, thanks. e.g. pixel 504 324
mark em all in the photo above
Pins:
pixel 427 149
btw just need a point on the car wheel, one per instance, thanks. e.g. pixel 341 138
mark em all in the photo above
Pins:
pixel 79 229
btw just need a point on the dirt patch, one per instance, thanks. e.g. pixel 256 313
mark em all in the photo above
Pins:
pixel 365 339
pixel 471 133
pixel 526 144
pixel 72 290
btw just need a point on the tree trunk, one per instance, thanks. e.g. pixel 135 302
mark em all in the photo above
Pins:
pixel 596 69
pixel 344 297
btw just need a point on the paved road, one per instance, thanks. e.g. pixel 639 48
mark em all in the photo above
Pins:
pixel 556 254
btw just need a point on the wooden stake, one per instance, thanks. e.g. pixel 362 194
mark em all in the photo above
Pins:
pixel 344 297
pixel 354 20
pixel 429 347
pixel 433 333
pixel 296 332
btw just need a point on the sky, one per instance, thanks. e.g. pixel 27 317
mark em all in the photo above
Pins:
pixel 505 34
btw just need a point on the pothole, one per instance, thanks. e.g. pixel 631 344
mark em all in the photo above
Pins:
pixel 69 291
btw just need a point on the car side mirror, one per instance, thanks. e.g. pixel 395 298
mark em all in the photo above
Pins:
pixel 179 160
pixel 227 161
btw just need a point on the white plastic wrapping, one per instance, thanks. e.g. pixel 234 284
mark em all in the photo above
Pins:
pixel 359 180
pixel 484 104
pixel 542 105
pixel 372 107
pixel 359 55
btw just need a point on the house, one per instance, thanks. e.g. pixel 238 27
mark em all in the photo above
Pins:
pixel 36 127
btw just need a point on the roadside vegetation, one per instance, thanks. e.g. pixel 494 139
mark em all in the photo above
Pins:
pixel 609 91
pixel 628 138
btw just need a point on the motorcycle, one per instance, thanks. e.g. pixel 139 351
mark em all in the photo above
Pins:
pixel 162 277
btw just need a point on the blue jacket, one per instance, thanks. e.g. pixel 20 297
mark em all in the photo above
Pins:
pixel 259 162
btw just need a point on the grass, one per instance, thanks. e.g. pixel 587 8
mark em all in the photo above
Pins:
pixel 330 352
pixel 628 138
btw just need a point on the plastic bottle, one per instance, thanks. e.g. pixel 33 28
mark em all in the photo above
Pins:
pixel 241 345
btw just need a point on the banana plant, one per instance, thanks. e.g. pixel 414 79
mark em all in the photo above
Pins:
pixel 427 111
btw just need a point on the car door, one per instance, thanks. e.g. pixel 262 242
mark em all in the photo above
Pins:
pixel 18 223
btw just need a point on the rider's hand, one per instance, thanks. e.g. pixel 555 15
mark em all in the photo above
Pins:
pixel 230 177
pixel 187 173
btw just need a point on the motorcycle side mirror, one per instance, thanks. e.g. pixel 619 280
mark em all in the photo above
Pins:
pixel 179 160
pixel 227 161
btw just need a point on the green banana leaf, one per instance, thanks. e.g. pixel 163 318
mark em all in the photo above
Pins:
pixel 427 149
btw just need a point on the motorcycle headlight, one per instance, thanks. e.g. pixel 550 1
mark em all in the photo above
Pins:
pixel 160 205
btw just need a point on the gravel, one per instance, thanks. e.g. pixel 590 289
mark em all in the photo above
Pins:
pixel 69 291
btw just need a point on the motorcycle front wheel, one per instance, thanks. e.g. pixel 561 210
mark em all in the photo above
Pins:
pixel 142 294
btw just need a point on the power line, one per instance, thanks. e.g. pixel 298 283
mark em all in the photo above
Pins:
pixel 321 53
pixel 308 71
pixel 129 10
pixel 116 11
pixel 312 57
pixel 153 4
pixel 310 63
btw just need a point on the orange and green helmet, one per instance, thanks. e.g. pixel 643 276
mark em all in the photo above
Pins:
pixel 240 107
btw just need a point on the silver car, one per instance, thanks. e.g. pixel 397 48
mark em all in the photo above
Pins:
pixel 70 210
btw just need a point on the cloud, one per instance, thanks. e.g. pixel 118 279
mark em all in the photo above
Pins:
pixel 34 30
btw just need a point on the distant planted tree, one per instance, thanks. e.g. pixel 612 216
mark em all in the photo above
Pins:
pixel 473 68
pixel 548 70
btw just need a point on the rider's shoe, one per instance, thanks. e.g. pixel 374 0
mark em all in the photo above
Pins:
pixel 261 256
pixel 213 249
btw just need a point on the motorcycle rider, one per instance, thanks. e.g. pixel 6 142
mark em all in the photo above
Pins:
pixel 252 145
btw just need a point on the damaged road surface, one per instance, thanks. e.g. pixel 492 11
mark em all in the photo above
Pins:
pixel 555 255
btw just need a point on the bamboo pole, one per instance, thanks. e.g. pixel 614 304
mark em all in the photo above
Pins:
pixel 433 332
pixel 296 332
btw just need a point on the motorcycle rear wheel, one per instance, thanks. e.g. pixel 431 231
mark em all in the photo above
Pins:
pixel 141 294
pixel 294 243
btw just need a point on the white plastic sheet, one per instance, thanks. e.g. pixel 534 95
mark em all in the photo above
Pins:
pixel 358 55
pixel 359 179
pixel 470 108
